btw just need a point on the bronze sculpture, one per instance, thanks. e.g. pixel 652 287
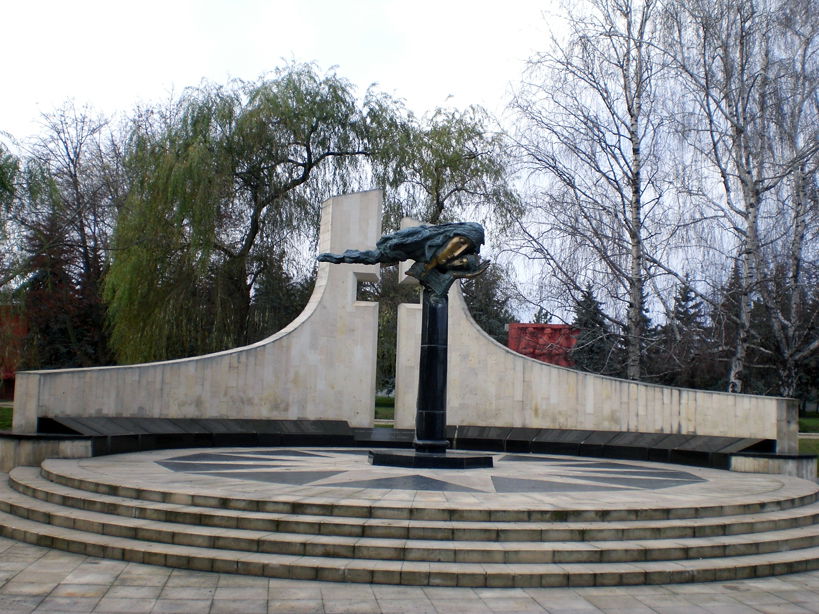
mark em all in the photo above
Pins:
pixel 442 254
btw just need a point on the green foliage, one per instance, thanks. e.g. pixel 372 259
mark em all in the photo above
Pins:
pixel 224 192
pixel 490 297
pixel 596 349
pixel 809 446
pixel 381 401
pixel 449 166
pixel 9 169
pixel 809 423
pixel 389 294
pixel 384 408
pixel 63 257
pixel 680 354
pixel 6 416
pixel 9 173
pixel 194 229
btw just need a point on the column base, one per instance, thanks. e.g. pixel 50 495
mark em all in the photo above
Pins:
pixel 424 460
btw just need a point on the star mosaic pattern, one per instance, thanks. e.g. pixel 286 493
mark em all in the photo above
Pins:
pixel 349 468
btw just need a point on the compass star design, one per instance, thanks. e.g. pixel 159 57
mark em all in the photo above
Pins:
pixel 348 468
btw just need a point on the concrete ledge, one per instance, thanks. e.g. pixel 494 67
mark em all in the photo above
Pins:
pixel 17 449
pixel 98 436
pixel 797 465
pixel 134 434
pixel 698 450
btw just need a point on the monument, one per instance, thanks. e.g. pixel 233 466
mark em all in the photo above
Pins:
pixel 442 254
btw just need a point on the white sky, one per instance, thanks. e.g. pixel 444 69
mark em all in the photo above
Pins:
pixel 112 54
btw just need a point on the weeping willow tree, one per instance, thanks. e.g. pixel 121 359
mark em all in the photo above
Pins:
pixel 224 196
pixel 224 184
pixel 445 166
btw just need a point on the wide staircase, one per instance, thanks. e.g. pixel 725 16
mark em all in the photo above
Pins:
pixel 395 544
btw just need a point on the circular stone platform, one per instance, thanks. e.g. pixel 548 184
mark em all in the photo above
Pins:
pixel 516 482
pixel 327 514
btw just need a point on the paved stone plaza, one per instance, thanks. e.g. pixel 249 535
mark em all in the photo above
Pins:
pixel 40 580
pixel 647 496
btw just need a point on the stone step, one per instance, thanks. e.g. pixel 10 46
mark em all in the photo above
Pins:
pixel 28 481
pixel 21 505
pixel 73 476
pixel 408 572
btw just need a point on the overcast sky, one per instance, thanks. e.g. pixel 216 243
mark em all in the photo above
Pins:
pixel 112 54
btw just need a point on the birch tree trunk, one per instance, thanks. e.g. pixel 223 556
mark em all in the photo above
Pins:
pixel 589 130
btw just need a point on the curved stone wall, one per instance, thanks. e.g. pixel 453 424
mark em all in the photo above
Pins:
pixel 321 366
pixel 490 385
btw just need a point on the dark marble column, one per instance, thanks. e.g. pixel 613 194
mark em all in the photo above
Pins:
pixel 430 417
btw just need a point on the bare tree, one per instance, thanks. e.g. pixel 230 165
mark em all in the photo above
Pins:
pixel 747 112
pixel 591 136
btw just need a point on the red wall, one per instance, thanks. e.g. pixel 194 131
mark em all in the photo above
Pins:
pixel 545 342
pixel 12 331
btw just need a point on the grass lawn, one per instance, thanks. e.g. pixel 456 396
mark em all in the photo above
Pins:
pixel 5 417
pixel 809 423
pixel 810 446
pixel 384 408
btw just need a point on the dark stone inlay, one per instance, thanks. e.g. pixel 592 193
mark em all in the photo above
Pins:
pixel 406 482
pixel 299 478
pixel 535 459
pixel 199 467
pixel 641 483
pixel 269 466
pixel 671 475
pixel 503 484
pixel 421 460
pixel 286 453
pixel 211 457
pixel 604 465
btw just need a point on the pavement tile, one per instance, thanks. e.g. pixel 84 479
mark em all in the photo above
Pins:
pixel 133 592
pixel 351 606
pixel 355 592
pixel 238 593
pixel 88 576
pixel 757 597
pixel 679 609
pixel 553 599
pixel 184 577
pixel 783 608
pixel 242 606
pixel 738 608
pixel 797 596
pixel 461 606
pixel 80 590
pixel 234 580
pixel 21 587
pixel 67 604
pixel 295 606
pixel 187 592
pixel 617 602
pixel 394 592
pixel 126 606
pixel 406 606
pixel 289 591
pixel 513 604
pixel 435 593
pixel 21 603
pixel 185 606
pixel 665 601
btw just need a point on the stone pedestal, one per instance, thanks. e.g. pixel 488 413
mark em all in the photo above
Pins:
pixel 430 419
pixel 430 416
